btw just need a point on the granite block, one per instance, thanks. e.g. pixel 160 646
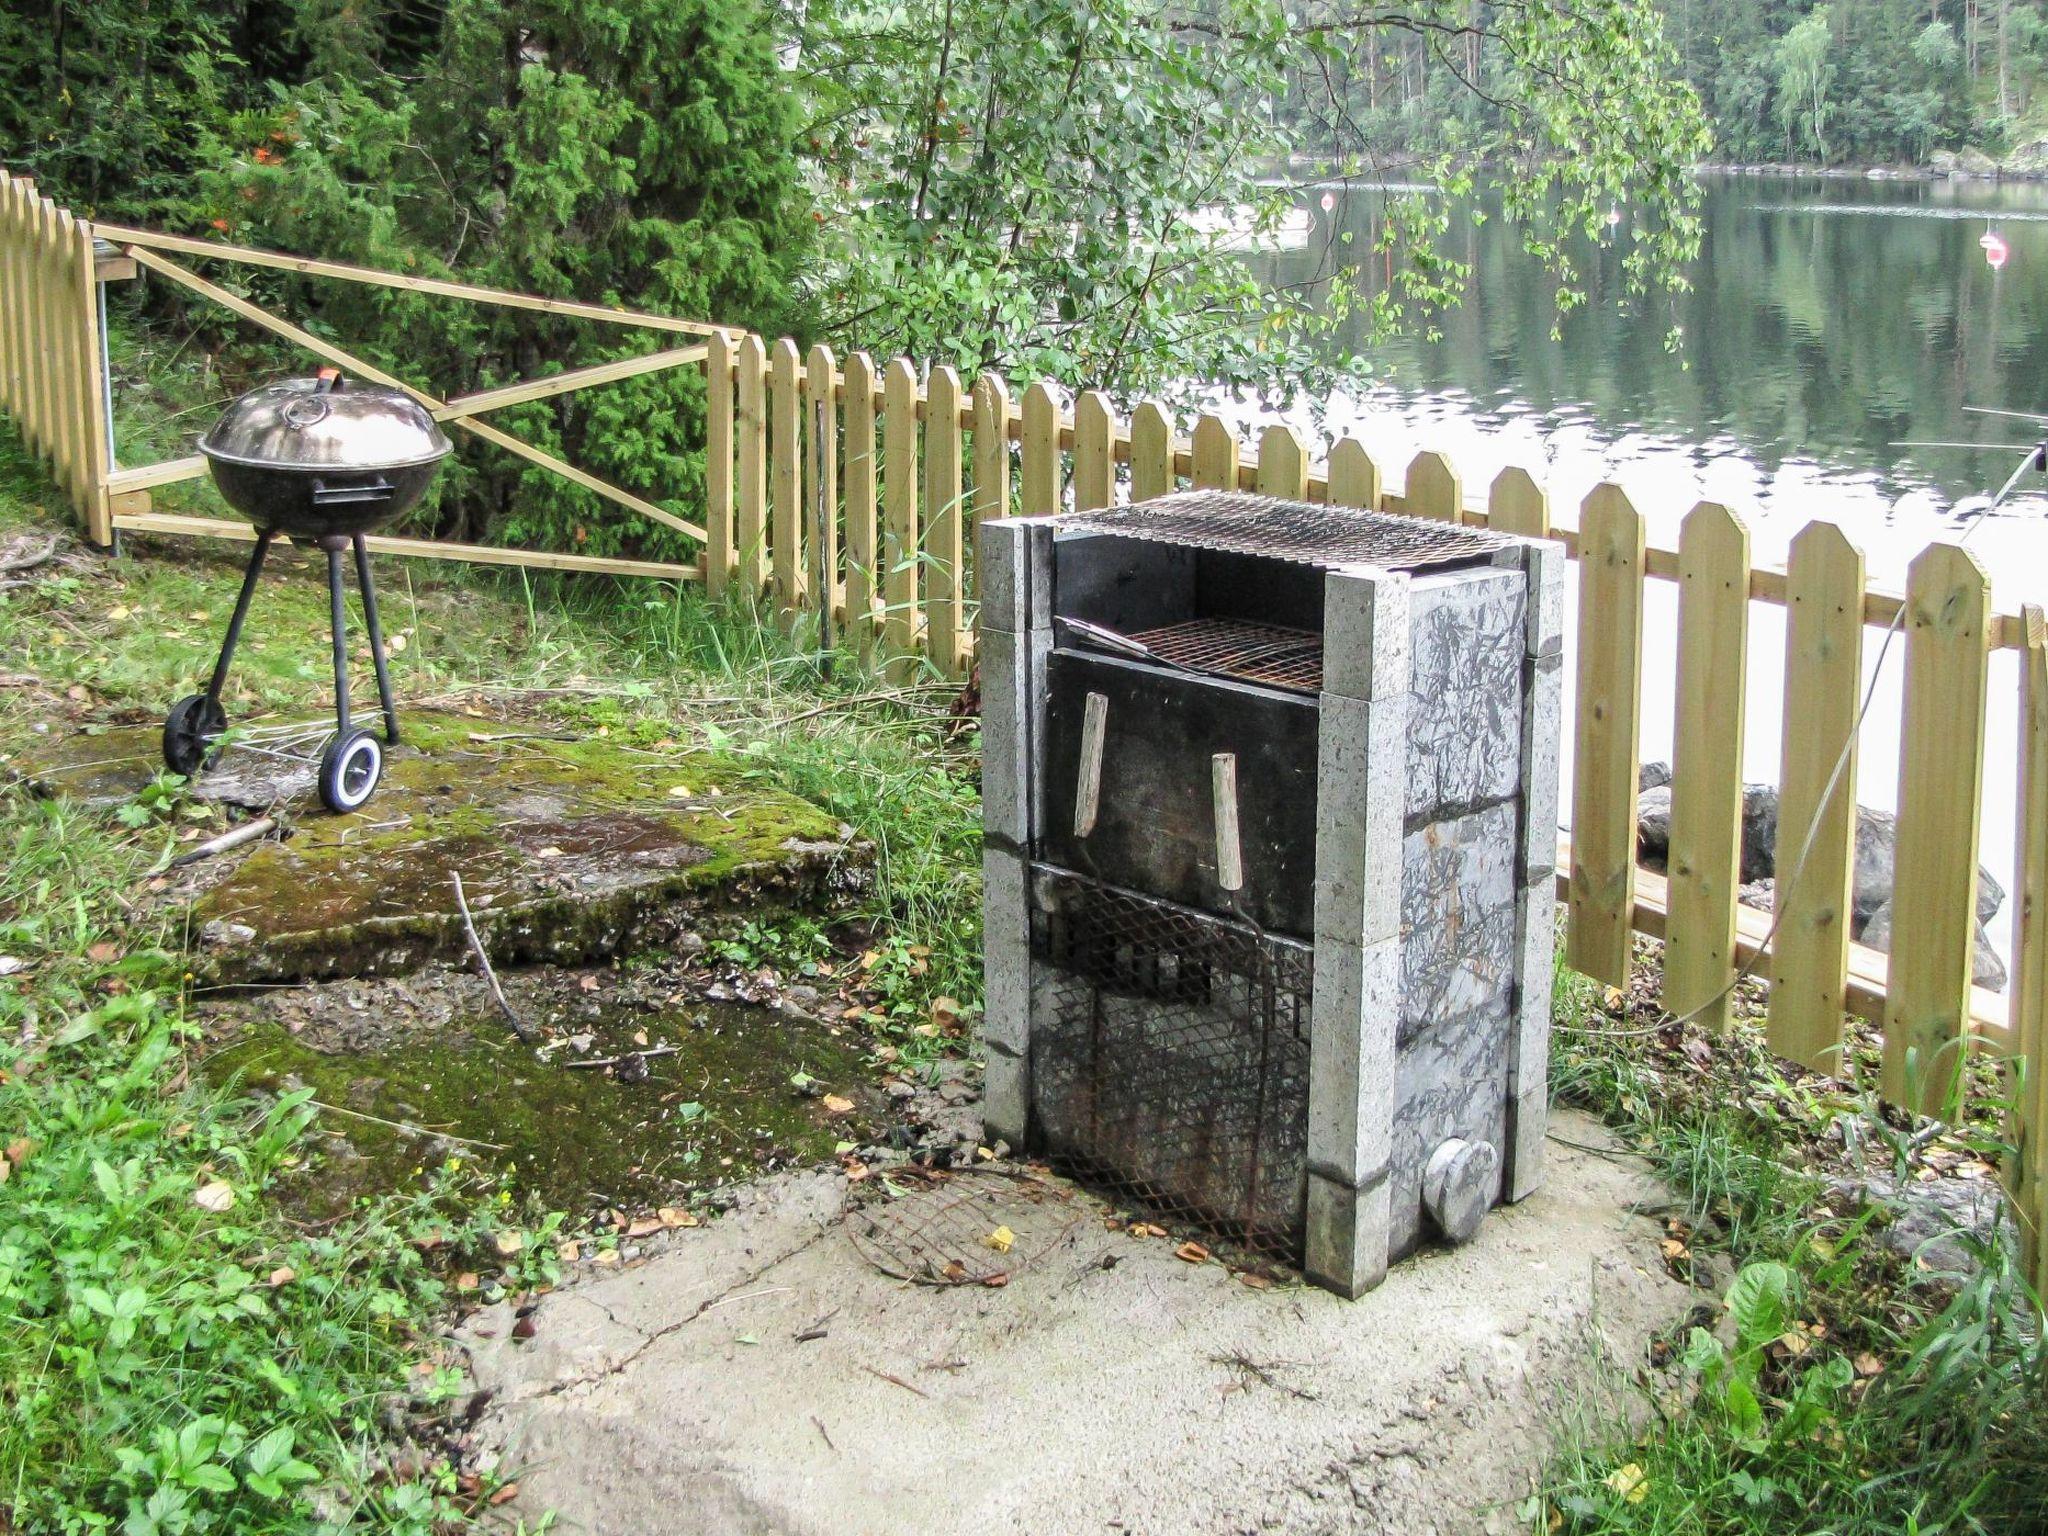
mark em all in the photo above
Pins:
pixel 1465 677
pixel 1360 796
pixel 1365 633
pixel 1352 1041
pixel 1458 917
pixel 1346 1248
pixel 1542 744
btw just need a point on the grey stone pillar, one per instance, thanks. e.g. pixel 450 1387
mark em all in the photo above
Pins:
pixel 1014 564
pixel 1361 788
pixel 1528 1078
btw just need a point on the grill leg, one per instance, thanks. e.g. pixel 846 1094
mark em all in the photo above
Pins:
pixel 337 622
pixel 369 591
pixel 234 634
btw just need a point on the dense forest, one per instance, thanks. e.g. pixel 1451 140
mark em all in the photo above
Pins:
pixel 1858 82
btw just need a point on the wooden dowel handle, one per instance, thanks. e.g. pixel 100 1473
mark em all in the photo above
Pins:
pixel 1223 787
pixel 1088 784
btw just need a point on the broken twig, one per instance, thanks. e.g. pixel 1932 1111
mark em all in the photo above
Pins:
pixel 526 1032
pixel 247 832
pixel 613 1061
pixel 897 1381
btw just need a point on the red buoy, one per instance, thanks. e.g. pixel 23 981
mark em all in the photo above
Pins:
pixel 1995 249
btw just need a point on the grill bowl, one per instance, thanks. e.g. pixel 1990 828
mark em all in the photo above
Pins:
pixel 318 458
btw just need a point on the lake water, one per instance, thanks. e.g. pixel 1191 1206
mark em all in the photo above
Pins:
pixel 1831 324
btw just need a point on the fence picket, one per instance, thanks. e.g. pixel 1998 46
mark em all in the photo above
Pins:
pixel 1705 864
pixel 1283 463
pixel 720 560
pixel 1040 464
pixel 1941 780
pixel 991 449
pixel 1215 453
pixel 820 515
pixel 1354 477
pixel 1094 452
pixel 1151 452
pixel 98 455
pixel 43 336
pixel 945 587
pixel 1604 760
pixel 2027 1170
pixel 1516 504
pixel 752 473
pixel 10 352
pixel 785 478
pixel 862 622
pixel 899 513
pixel 1433 489
pixel 1815 855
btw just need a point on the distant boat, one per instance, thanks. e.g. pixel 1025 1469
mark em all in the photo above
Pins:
pixel 1238 226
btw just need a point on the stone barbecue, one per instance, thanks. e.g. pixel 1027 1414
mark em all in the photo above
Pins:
pixel 1270 797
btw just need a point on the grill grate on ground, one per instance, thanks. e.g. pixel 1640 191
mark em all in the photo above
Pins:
pixel 1302 532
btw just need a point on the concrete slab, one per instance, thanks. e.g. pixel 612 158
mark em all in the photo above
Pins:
pixel 1108 1385
pixel 571 848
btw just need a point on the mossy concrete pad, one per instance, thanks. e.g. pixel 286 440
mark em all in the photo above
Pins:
pixel 570 848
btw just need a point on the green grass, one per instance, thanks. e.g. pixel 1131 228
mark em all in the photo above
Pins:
pixel 175 1354
pixel 1864 1399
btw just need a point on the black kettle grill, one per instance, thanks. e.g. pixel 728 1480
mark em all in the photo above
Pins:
pixel 320 461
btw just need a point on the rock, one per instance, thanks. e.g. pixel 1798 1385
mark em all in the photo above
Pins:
pixel 2028 159
pixel 1987 970
pixel 1975 162
pixel 1760 894
pixel 1942 162
pixel 1653 776
pixel 1876 853
pixel 1932 1221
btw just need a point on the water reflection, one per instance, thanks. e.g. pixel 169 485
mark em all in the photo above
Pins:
pixel 1829 323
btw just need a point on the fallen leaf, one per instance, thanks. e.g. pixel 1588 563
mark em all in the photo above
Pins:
pixel 284 1274
pixel 524 1327
pixel 1255 1280
pixel 587 983
pixel 1868 1364
pixel 1631 1482
pixel 509 1243
pixel 954 1271
pixel 569 1252
pixel 505 1494
pixel 19 1149
pixel 679 791
pixel 103 954
pixel 639 1037
pixel 646 1226
pixel 1675 1251
pixel 1794 1343
pixel 835 1105
pixel 996 1281
pixel 549 852
pixel 467 1280
pixel 1145 1229
pixel 676 1216
pixel 1194 1253
pixel 216 1196
pixel 1001 1239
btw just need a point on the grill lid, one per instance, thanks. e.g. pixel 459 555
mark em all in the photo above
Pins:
pixel 325 423
pixel 1304 533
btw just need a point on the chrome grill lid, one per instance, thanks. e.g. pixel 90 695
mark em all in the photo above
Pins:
pixel 1300 532
pixel 325 423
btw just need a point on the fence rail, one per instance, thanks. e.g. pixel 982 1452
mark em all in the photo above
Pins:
pixel 843 494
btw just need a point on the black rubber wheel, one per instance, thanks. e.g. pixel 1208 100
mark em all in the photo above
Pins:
pixel 349 770
pixel 191 731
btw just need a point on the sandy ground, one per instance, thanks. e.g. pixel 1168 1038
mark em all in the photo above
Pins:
pixel 763 1375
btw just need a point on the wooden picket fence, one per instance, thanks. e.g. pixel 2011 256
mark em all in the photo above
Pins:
pixel 846 494
pixel 843 496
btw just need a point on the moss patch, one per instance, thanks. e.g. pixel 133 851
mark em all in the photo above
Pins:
pixel 721 1107
pixel 569 848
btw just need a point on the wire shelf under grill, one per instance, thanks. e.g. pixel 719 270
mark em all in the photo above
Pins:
pixel 1301 532
pixel 1257 653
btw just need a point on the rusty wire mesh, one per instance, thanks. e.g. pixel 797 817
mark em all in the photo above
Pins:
pixel 965 1226
pixel 1170 1061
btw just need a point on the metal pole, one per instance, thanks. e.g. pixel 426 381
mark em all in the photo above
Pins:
pixel 337 621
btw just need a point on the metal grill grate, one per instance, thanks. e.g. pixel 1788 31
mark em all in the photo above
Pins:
pixel 1170 1061
pixel 1302 532
pixel 1258 653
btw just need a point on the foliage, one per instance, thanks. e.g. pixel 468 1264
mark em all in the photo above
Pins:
pixel 1068 189
pixel 1837 1389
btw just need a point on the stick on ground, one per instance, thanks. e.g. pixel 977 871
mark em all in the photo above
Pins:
pixel 520 1027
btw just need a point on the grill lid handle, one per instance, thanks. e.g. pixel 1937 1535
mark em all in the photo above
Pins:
pixel 1088 781
pixel 1223 791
